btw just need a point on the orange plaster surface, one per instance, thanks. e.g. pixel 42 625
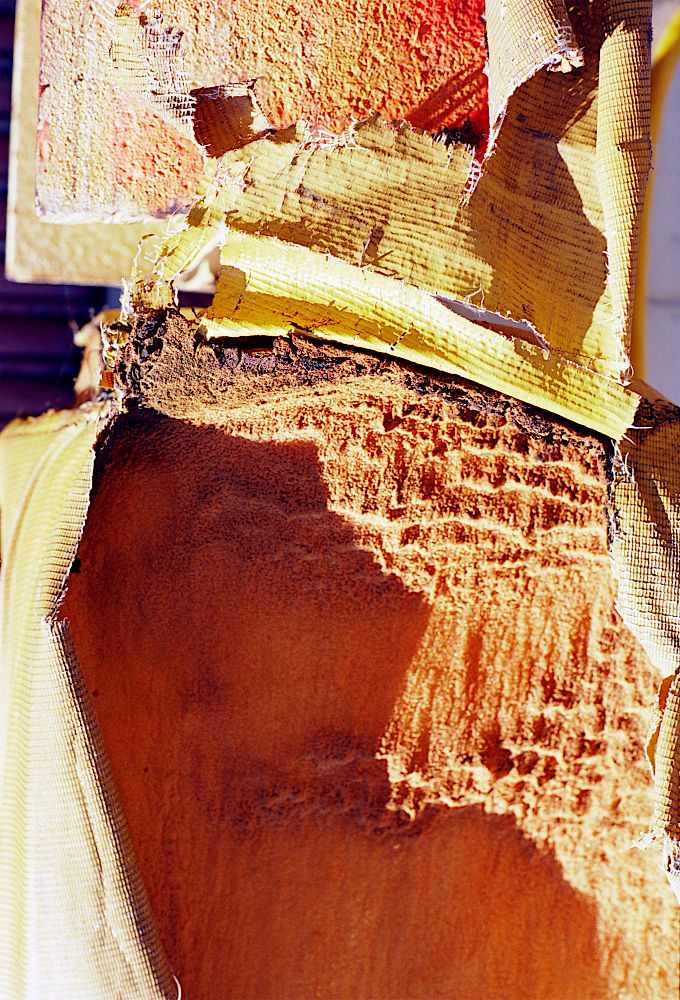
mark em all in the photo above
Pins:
pixel 328 62
pixel 334 60
pixel 149 158
pixel 376 725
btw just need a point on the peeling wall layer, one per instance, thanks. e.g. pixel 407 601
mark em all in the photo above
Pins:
pixel 390 202
pixel 116 109
pixel 547 235
pixel 568 154
pixel 265 287
pixel 372 715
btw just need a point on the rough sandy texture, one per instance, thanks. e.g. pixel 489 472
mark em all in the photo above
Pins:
pixel 329 61
pixel 376 725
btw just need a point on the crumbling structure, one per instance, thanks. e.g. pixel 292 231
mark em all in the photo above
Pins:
pixel 333 621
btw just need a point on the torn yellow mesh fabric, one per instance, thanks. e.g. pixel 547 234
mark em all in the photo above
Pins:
pixel 646 492
pixel 261 291
pixel 645 545
pixel 624 146
pixel 390 203
pixel 145 63
pixel 534 35
pixel 74 920
pixel 559 194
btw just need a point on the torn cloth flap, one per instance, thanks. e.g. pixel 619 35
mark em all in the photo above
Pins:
pixel 74 917
pixel 549 234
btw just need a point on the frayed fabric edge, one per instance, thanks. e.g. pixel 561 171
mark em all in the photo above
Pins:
pixel 55 772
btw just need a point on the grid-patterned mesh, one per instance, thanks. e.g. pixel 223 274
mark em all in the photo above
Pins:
pixel 149 64
pixel 74 918
pixel 645 541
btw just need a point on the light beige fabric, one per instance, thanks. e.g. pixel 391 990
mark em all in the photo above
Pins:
pixel 645 543
pixel 74 921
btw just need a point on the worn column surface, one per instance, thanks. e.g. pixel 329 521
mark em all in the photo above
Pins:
pixel 376 725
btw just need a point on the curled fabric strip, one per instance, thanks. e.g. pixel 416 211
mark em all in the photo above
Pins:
pixel 548 236
pixel 261 291
pixel 645 546
pixel 524 38
pixel 74 918
pixel 624 149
